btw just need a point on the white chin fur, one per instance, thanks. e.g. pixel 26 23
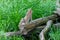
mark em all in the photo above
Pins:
pixel 25 33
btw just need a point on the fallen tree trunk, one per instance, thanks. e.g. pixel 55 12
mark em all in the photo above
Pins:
pixel 45 30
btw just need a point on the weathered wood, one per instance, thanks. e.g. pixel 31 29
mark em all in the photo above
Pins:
pixel 12 33
pixel 57 25
pixel 45 30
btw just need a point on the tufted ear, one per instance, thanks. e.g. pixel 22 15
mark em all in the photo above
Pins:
pixel 25 20
pixel 21 24
pixel 29 12
pixel 28 15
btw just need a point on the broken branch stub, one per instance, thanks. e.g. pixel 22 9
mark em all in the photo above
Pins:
pixel 45 30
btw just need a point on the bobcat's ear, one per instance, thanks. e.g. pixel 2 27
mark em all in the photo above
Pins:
pixel 29 12
pixel 21 23
pixel 28 15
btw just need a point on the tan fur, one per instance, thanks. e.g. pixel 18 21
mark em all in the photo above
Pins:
pixel 28 16
pixel 24 21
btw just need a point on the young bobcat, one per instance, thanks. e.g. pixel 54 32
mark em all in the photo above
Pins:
pixel 24 21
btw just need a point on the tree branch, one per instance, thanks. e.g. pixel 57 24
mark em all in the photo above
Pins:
pixel 45 30
pixel 12 33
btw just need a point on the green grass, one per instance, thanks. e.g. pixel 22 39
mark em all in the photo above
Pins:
pixel 11 38
pixel 11 11
pixel 54 33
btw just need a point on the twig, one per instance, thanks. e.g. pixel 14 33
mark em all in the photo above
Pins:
pixel 44 31
pixel 12 33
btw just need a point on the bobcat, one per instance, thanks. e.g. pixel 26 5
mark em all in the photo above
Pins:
pixel 24 21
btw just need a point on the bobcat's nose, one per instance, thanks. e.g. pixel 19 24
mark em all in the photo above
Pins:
pixel 23 24
pixel 24 32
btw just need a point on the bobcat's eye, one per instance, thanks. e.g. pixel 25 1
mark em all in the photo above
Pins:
pixel 23 24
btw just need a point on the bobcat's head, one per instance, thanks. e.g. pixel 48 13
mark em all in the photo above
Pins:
pixel 22 27
pixel 23 22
